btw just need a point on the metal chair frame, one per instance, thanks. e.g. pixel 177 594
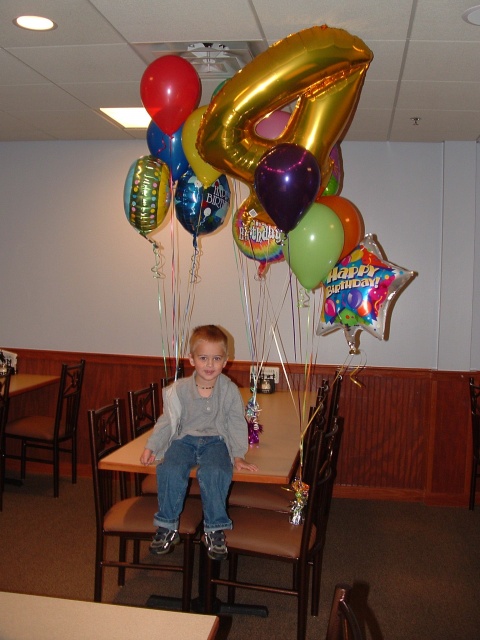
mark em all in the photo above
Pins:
pixel 63 431
pixel 130 519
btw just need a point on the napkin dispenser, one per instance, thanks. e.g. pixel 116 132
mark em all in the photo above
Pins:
pixel 8 359
pixel 266 384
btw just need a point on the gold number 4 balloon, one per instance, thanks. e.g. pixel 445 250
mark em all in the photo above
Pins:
pixel 320 68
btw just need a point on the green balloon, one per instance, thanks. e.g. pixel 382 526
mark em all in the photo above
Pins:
pixel 332 187
pixel 314 246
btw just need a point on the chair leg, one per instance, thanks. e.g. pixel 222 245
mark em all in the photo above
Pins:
pixel 74 460
pixel 23 461
pixel 2 480
pixel 232 575
pixel 473 485
pixel 97 593
pixel 136 551
pixel 209 587
pixel 122 554
pixel 188 559
pixel 316 583
pixel 56 471
pixel 303 588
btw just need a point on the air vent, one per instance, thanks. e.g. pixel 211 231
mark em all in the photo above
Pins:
pixel 212 60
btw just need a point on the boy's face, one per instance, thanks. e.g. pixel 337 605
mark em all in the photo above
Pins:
pixel 208 358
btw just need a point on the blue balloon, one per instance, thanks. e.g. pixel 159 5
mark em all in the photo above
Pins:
pixel 201 210
pixel 168 149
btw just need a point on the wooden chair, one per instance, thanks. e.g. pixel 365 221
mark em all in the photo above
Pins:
pixel 4 397
pixel 56 434
pixel 263 533
pixel 342 624
pixel 130 519
pixel 475 411
pixel 143 410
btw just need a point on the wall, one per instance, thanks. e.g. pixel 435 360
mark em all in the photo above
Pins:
pixel 77 277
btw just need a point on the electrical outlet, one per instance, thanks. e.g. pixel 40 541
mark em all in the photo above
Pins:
pixel 267 371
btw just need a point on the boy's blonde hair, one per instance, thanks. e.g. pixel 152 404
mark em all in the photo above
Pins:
pixel 208 333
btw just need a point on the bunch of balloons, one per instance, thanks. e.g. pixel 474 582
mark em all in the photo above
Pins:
pixel 170 90
pixel 288 160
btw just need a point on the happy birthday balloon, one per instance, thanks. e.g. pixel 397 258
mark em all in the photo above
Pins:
pixel 358 292
pixel 320 69
pixel 147 194
pixel 199 210
pixel 256 239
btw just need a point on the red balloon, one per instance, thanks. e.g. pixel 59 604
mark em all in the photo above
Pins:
pixel 349 217
pixel 170 90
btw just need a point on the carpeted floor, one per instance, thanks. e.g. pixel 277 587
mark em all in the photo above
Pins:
pixel 414 568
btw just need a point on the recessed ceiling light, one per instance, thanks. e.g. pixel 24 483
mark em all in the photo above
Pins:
pixel 130 118
pixel 34 23
pixel 472 15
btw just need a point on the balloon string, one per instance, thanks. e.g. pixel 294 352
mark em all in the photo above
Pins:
pixel 159 277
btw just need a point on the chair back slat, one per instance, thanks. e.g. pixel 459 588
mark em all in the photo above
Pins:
pixel 143 408
pixel 4 399
pixel 474 397
pixel 69 396
pixel 4 395
pixel 334 399
pixel 107 434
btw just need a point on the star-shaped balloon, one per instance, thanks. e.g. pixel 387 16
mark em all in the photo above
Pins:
pixel 358 292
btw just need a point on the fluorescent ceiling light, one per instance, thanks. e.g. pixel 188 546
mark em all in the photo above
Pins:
pixel 129 118
pixel 35 23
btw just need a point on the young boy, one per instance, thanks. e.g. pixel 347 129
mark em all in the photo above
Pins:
pixel 203 423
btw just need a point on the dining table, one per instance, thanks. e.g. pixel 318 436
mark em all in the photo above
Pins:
pixel 27 617
pixel 26 382
pixel 281 417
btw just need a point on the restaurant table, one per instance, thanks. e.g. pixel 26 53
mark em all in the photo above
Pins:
pixel 26 617
pixel 276 456
pixel 25 383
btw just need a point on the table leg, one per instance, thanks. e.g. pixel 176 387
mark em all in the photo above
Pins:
pixel 198 604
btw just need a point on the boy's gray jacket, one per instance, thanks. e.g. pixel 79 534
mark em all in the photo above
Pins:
pixel 233 426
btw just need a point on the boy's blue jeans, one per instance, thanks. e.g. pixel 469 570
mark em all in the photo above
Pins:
pixel 214 475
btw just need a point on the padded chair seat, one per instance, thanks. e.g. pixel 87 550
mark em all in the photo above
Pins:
pixel 252 531
pixel 33 427
pixel 261 496
pixel 149 486
pixel 136 515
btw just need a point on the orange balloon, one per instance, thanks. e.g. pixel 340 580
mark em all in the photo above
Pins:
pixel 350 218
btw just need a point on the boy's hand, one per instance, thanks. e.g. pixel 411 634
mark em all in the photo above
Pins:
pixel 147 457
pixel 240 464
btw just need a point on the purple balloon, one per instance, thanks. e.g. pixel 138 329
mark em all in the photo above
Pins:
pixel 287 179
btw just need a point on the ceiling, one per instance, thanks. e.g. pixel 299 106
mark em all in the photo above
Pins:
pixel 426 62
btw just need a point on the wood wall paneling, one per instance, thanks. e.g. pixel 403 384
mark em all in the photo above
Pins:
pixel 406 431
